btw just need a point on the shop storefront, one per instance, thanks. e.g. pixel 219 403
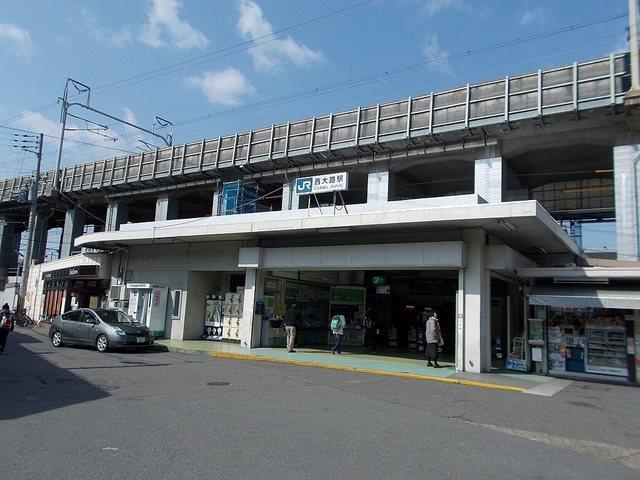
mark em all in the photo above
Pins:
pixel 396 301
pixel 584 332
pixel 73 287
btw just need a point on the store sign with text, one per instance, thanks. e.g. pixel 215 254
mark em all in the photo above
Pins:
pixel 332 182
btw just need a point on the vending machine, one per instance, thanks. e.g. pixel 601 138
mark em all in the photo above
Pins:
pixel 148 305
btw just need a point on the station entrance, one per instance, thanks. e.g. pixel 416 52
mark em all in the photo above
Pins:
pixel 396 300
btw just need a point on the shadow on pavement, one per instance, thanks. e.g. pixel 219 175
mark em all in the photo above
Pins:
pixel 29 384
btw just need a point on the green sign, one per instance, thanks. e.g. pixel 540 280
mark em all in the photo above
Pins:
pixel 379 280
pixel 346 294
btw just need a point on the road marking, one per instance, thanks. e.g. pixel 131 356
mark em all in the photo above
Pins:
pixel 629 457
pixel 302 363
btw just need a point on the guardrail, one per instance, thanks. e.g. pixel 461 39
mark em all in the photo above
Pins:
pixel 579 86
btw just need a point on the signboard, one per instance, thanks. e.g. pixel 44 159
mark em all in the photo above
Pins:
pixel 332 182
pixel 321 276
pixel 82 271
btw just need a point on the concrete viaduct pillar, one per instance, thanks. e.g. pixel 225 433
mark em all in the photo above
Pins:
pixel 290 199
pixel 380 186
pixel 490 179
pixel 74 219
pixel 117 214
pixel 166 208
pixel 9 245
pixel 625 167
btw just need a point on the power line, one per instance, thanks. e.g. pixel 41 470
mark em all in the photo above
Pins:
pixel 236 48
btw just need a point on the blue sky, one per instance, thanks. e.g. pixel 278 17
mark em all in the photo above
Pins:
pixel 97 43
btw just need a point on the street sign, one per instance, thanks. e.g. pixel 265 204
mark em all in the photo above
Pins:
pixel 332 182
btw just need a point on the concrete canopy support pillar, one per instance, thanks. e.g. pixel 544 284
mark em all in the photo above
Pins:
pixel 489 179
pixel 117 214
pixel 625 172
pixel 251 323
pixel 73 227
pixel 477 305
pixel 166 208
pixel 380 187
pixel 290 199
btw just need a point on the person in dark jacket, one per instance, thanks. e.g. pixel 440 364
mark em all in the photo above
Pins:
pixel 290 322
pixel 433 339
pixel 5 326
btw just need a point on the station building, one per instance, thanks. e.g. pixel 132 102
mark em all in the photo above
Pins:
pixel 468 201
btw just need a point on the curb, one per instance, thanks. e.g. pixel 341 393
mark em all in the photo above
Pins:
pixel 367 371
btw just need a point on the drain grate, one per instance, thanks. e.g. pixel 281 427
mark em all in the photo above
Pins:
pixel 218 384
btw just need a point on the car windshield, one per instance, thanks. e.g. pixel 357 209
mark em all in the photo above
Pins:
pixel 115 316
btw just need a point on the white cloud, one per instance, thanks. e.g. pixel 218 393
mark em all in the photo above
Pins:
pixel 225 87
pixel 130 117
pixel 532 16
pixel 436 55
pixel 116 38
pixel 16 39
pixel 164 27
pixel 432 7
pixel 269 56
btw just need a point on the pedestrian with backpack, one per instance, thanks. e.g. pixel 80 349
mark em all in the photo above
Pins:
pixel 290 323
pixel 337 327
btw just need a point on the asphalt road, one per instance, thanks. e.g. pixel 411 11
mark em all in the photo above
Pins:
pixel 72 413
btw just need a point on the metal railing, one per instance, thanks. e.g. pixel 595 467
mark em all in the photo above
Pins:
pixel 577 87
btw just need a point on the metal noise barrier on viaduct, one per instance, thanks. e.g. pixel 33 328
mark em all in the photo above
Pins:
pixel 577 87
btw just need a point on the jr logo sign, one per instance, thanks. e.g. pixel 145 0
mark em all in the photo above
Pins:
pixel 304 186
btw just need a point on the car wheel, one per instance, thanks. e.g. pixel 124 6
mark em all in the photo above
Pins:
pixel 102 343
pixel 56 339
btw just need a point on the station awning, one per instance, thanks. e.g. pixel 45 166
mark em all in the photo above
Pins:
pixel 585 296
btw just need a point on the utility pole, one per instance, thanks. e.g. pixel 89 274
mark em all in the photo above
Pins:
pixel 33 197
pixel 633 48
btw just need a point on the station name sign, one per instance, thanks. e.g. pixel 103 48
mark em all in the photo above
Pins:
pixel 332 182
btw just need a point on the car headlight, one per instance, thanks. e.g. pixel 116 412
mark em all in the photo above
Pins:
pixel 119 331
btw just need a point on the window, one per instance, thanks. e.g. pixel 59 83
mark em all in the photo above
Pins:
pixel 176 297
pixel 88 317
pixel 73 316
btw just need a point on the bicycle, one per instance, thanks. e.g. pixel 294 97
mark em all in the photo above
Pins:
pixel 23 320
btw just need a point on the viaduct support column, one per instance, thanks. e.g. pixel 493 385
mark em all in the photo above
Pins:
pixel 73 227
pixel 489 179
pixel 117 214
pixel 626 170
pixel 40 238
pixel 166 208
pixel 476 336
pixel 9 244
pixel 290 199
pixel 380 186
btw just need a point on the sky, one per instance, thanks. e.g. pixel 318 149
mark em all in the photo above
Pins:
pixel 222 66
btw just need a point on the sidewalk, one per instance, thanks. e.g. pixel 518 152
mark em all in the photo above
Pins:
pixel 375 364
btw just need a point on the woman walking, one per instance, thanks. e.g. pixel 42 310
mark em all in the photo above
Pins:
pixel 433 339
